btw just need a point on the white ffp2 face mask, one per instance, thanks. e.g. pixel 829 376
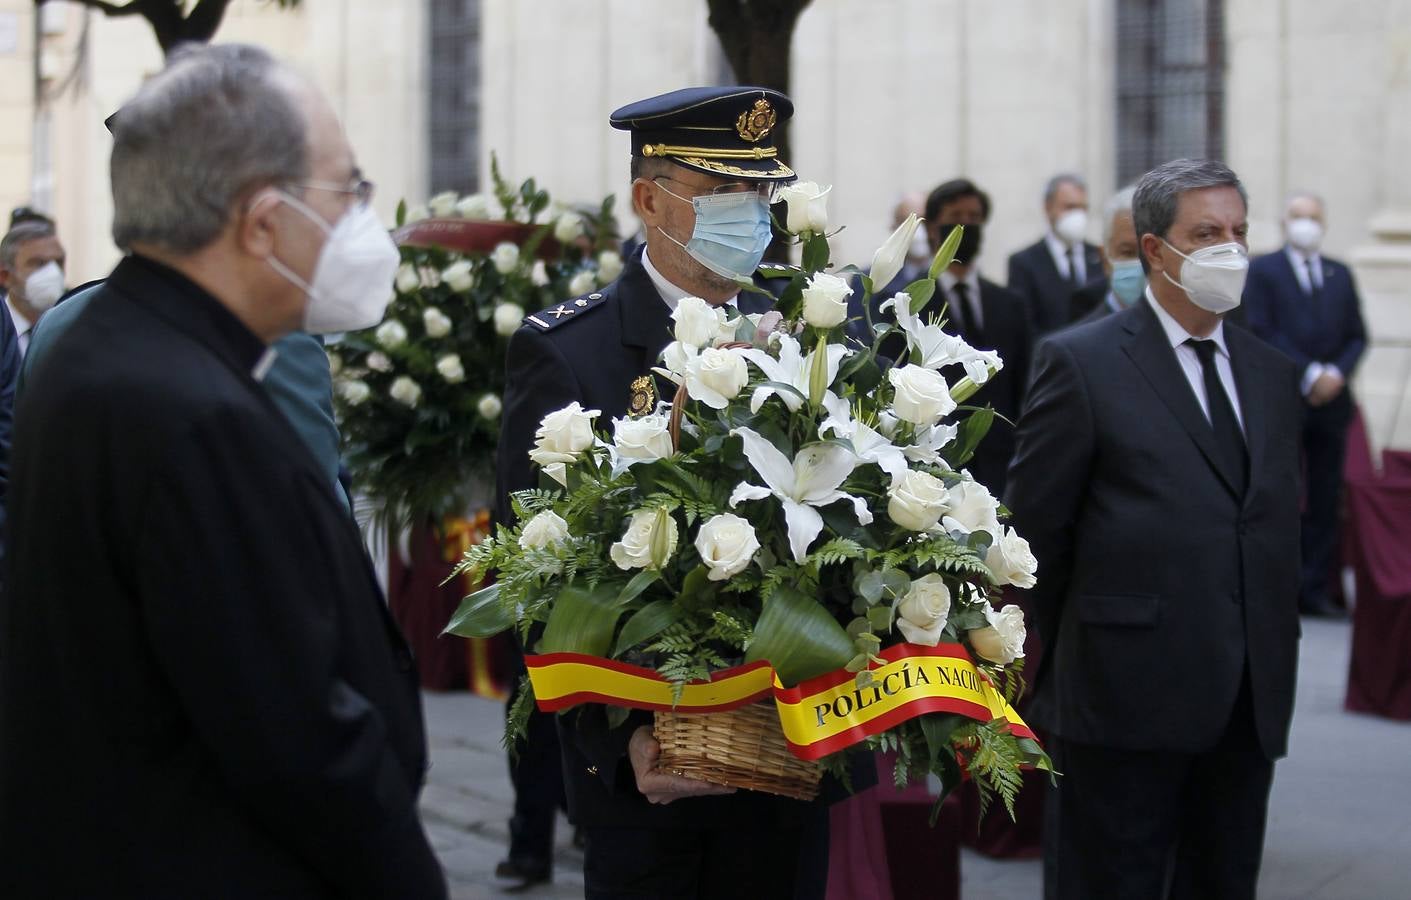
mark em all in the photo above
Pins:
pixel 1305 234
pixel 1213 277
pixel 1072 227
pixel 353 277
pixel 44 286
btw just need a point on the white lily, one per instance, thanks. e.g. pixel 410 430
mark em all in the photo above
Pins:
pixel 890 257
pixel 811 480
pixel 933 348
pixel 929 444
pixel 868 444
pixel 791 368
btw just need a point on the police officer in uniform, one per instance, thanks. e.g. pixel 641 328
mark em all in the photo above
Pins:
pixel 704 170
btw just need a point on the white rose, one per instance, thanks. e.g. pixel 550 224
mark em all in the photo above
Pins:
pixel 539 274
pixel 405 391
pixel 459 276
pixel 379 361
pixel 1002 641
pixel 505 257
pixel 825 301
pixel 921 614
pixel 922 396
pixel 582 283
pixel 335 363
pixel 563 434
pixel 408 278
pixel 727 544
pixel 917 501
pixel 474 206
pixel 808 207
pixel 650 541
pixel 697 322
pixel 544 530
pixel 568 228
pixel 489 407
pixel 416 214
pixel 507 318
pixel 354 392
pixel 451 369
pixel 716 377
pixel 609 266
pixel 430 277
pixel 391 334
pixel 677 358
pixel 972 508
pixel 1010 560
pixel 443 205
pixel 437 323
pixel 645 437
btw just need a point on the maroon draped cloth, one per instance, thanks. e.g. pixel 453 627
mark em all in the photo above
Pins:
pixel 1379 673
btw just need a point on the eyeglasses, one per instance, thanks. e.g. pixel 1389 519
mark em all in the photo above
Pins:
pixel 362 189
pixel 767 191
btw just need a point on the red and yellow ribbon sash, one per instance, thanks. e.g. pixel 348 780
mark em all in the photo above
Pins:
pixel 820 716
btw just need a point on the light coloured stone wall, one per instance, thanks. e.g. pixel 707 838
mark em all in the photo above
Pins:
pixel 16 103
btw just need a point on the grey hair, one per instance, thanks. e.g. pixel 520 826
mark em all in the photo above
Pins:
pixel 1159 191
pixel 1120 202
pixel 1303 195
pixel 22 233
pixel 1059 181
pixel 216 123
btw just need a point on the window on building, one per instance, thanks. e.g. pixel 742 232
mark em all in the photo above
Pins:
pixel 1170 82
pixel 454 116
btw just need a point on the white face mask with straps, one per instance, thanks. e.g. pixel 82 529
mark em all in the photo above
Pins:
pixel 353 277
pixel 1213 277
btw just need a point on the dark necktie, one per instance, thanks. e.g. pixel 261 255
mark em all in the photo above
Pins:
pixel 969 325
pixel 1229 439
pixel 1314 289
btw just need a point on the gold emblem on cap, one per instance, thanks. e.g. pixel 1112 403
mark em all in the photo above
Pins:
pixel 644 396
pixel 756 124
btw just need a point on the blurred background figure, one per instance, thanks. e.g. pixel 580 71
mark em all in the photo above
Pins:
pixel 1123 281
pixel 1306 305
pixel 31 272
pixel 1047 273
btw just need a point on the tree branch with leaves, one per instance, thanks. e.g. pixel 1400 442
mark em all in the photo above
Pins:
pixel 171 20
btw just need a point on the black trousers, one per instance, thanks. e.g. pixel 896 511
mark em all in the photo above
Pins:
pixel 745 860
pixel 537 776
pixel 1137 825
pixel 1324 449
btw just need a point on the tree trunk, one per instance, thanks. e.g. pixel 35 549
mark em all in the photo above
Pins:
pixel 757 37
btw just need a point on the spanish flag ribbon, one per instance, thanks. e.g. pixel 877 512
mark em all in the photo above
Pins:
pixel 820 716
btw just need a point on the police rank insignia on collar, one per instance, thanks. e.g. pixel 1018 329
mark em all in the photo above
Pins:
pixel 644 396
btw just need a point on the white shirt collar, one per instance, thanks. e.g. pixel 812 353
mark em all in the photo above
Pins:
pixel 1056 246
pixel 669 291
pixel 1176 334
pixel 22 325
pixel 971 279
pixel 1300 259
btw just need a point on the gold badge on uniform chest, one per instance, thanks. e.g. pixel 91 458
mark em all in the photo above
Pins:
pixel 644 396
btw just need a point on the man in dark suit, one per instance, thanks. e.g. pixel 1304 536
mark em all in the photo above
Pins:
pixel 1152 479
pixel 1123 282
pixel 986 315
pixel 214 702
pixel 1306 305
pixel 651 833
pixel 1046 273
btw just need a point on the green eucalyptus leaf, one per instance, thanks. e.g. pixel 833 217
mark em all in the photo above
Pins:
pixel 870 586
pixel 895 583
pixel 798 637
pixel 480 615
pixel 582 620
pixel 646 623
pixel 858 627
pixel 880 618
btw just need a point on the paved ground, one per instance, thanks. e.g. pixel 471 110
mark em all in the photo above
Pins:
pixel 1339 823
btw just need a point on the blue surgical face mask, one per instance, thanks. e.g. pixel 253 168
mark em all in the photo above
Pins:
pixel 1128 281
pixel 731 234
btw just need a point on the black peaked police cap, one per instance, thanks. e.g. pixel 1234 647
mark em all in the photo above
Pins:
pixel 727 132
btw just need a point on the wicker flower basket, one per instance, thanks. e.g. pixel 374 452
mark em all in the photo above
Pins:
pixel 743 748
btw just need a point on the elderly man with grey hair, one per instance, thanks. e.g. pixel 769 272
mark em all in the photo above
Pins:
pixel 1153 478
pixel 1048 272
pixel 1124 282
pixel 31 273
pixel 201 691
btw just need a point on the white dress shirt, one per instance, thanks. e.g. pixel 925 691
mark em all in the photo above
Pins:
pixel 974 312
pixel 1190 362
pixel 1065 257
pixel 671 293
pixel 1302 263
pixel 22 326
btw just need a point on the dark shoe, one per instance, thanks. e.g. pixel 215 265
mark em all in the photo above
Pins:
pixel 524 874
